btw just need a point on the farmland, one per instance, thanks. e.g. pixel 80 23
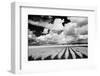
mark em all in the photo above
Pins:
pixel 79 51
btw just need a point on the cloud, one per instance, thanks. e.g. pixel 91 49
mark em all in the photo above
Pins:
pixel 69 29
pixel 37 23
pixel 82 30
pixel 81 25
pixel 79 20
pixel 57 25
pixel 78 27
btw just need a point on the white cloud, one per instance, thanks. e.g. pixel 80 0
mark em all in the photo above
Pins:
pixel 79 20
pixel 37 23
pixel 82 36
pixel 82 30
pixel 58 24
pixel 45 31
pixel 77 28
pixel 69 29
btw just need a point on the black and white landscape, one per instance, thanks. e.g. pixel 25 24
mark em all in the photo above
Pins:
pixel 61 37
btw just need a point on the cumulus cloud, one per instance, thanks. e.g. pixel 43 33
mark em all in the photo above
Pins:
pixel 82 23
pixel 53 35
pixel 79 20
pixel 82 30
pixel 45 31
pixel 77 28
pixel 58 24
pixel 69 29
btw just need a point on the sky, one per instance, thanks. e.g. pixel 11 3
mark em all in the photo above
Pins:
pixel 70 28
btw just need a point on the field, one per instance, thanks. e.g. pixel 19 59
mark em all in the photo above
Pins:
pixel 58 52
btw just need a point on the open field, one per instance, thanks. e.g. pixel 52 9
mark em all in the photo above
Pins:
pixel 56 52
